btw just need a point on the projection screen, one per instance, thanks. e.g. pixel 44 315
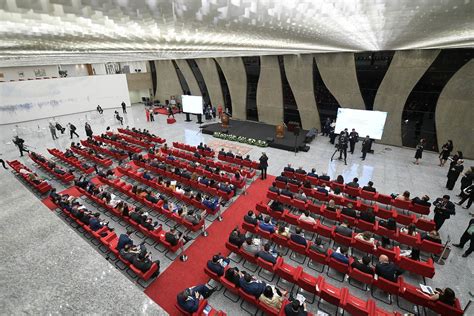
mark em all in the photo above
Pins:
pixel 365 122
pixel 192 104
pixel 22 101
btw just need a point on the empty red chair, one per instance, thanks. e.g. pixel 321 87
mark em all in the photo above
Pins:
pixel 352 191
pixel 365 226
pixel 331 215
pixel 356 306
pixel 401 204
pixel 425 269
pixel 383 212
pixel 338 266
pixel 420 209
pixel 262 207
pixel 272 195
pixel 293 187
pixel 313 208
pixel 425 224
pixel 249 227
pixel 431 247
pixel 289 272
pixel 404 219
pixel 308 282
pixel 320 196
pixel 285 199
pixel 324 230
pixel 301 205
pixel 412 241
pixel 392 288
pixel 310 227
pixel 331 294
pixel 384 199
pixel 367 195
pixel 291 218
pixel 342 240
pixel 364 278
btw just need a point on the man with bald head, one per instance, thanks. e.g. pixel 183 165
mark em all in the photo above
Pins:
pixel 387 270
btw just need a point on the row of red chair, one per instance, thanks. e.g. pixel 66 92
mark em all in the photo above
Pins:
pixel 157 235
pixel 315 285
pixel 110 241
pixel 420 222
pixel 127 147
pixel 42 187
pixel 104 150
pixel 193 149
pixel 192 183
pixel 158 140
pixel 239 162
pixel 366 195
pixel 200 170
pixel 73 161
pixel 65 178
pixel 200 312
pixel 126 188
pixel 132 140
pixel 396 235
pixel 84 153
pixel 424 269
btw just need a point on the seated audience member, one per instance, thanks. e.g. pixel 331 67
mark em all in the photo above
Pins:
pixel 289 168
pixel 432 236
pixel 354 183
pixel 409 230
pixel 366 237
pixel 403 197
pixel 272 297
pixel 277 206
pixel 217 264
pixel 367 215
pixel 192 217
pixel 236 237
pixel 211 203
pixel 300 196
pixel 322 189
pixel 340 179
pixel 137 216
pixel 389 224
pixel 386 269
pixel 286 192
pixel 233 275
pixel 143 262
pixel 300 170
pixel 95 223
pixel 266 255
pixel 149 224
pixel 344 229
pixel 341 254
pixel 251 246
pixel 369 187
pixel 281 178
pixel 424 201
pixel 189 299
pixel 173 237
pixel 129 253
pixel 251 218
pixel 230 154
pixel 349 211
pixel 318 246
pixel 413 254
pixel 251 285
pixel 325 177
pixel 445 296
pixel 124 239
pixel 221 152
pixel 363 265
pixel 282 231
pixel 295 308
pixel 307 184
pixel 266 225
pixel 337 192
pixel 298 237
pixel 331 206
pixel 313 173
pixel 274 188
pixel 306 217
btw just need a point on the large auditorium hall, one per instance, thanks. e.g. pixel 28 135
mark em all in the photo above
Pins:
pixel 237 157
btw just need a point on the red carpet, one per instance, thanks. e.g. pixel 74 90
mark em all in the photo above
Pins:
pixel 164 111
pixel 180 275
pixel 71 191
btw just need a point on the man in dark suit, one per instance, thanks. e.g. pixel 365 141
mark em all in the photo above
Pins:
pixel 286 192
pixel 386 269
pixel 444 208
pixel 367 216
pixel 263 165
pixel 282 178
pixel 236 237
pixel 289 168
pixel 353 139
pixel 313 173
pixel 366 145
pixel 251 218
pixel 369 187
pixel 266 255
pixel 172 237
pixel 217 264
pixel 298 237
pixel 349 211
pixel 424 201
pixel 277 206
pixel 300 170
pixel 124 239
pixel 143 263
pixel 252 286
pixel 354 183
pixel 189 299
pixel 468 235
pixel 363 265
pixel 344 229
pixel 274 188
pixel 324 177
pixel 124 107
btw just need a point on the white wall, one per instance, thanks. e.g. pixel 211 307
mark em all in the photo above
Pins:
pixel 136 95
pixel 12 73
pixel 36 99
pixel 99 69
pixel 75 70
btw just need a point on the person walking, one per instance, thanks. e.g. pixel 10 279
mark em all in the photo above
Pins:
pixel 467 236
pixel 72 130
pixel 20 143
pixel 88 129
pixel 170 111
pixel 445 152
pixel 52 129
pixel 419 151
pixel 453 174
pixel 124 108
pixel 99 109
pixel 263 165
pixel 444 208
pixel 152 117
pixel 366 144
pixel 467 193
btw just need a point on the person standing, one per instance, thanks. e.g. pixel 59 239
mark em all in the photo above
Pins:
pixel 20 143
pixel 263 165
pixel 72 130
pixel 467 179
pixel 124 108
pixel 453 174
pixel 366 144
pixel 353 139
pixel 467 236
pixel 445 152
pixel 219 110
pixel 444 208
pixel 99 109
pixel 88 129
pixel 467 193
pixel 52 129
pixel 419 151
pixel 342 145
pixel 152 117
pixel 170 111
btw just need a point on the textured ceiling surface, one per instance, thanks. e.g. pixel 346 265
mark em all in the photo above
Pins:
pixel 34 32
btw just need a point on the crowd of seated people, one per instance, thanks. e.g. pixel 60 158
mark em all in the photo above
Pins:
pixel 51 164
pixel 144 131
pixel 33 177
pixel 109 147
pixel 137 255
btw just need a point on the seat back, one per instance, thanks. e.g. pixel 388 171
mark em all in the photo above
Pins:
pixel 324 230
pixel 445 309
pixel 342 240
pixel 425 224
pixel 358 307
pixel 388 286
pixel 363 246
pixel 384 199
pixel 431 247
pixel 297 247
pixel 249 227
pixel 412 241
pixel 352 191
pixel 308 282
pixel 425 269
pixel 401 204
pixel 331 294
pixel 338 266
pixel 420 209
pixel 291 218
pixel 360 276
pixel 367 195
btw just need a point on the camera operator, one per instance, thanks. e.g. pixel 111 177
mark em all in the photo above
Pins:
pixel 20 143
pixel 353 139
pixel 342 145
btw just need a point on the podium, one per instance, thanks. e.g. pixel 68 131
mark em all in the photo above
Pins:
pixel 225 120
pixel 280 131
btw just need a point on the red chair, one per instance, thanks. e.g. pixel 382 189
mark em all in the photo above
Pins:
pixel 309 283
pixel 331 294
pixel 363 246
pixel 367 195
pixel 270 267
pixel 262 207
pixel 231 287
pixel 335 185
pixel 324 230
pixel 365 226
pixel 293 187
pixel 390 253
pixel 286 200
pixel 339 267
pixel 401 204
pixel 392 288
pixel 320 196
pixel 249 227
pixel 320 258
pixel 342 240
pixel 280 184
pixel 301 205
pixel 412 241
pixel 404 219
pixel 383 212
pixel 425 269
pixel 356 306
pixel 313 208
pixel 431 247
pixel 291 218
pixel 364 278
pixel 425 224
pixel 264 234
pixel 420 209
pixel 272 195
pixel 247 298
pixel 331 215
pixel 445 309
pixel 289 272
pixel 351 191
pixel 297 249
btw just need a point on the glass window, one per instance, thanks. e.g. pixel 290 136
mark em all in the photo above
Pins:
pixel 252 69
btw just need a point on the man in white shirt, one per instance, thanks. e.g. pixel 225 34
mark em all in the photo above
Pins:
pixel 306 217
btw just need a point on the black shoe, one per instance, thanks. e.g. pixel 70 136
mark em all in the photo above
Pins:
pixel 458 245
pixel 465 255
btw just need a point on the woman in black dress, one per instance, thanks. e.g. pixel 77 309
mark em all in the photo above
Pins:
pixel 445 152
pixel 419 151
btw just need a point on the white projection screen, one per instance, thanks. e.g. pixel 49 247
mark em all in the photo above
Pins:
pixel 36 99
pixel 192 104
pixel 365 122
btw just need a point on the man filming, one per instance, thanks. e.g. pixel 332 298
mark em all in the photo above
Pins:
pixel 342 145
pixel 20 143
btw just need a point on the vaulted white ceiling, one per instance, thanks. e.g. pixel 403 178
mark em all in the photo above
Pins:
pixel 39 32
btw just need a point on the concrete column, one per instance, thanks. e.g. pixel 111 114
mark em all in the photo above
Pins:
pixel 188 76
pixel 299 72
pixel 406 68
pixel 234 72
pixel 455 113
pixel 339 75
pixel 167 82
pixel 269 91
pixel 208 69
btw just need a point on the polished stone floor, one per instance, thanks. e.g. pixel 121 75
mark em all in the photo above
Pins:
pixel 390 168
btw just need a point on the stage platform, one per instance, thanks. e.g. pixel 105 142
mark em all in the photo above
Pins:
pixel 261 131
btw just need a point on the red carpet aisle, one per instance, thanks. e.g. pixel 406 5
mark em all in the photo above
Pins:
pixel 180 275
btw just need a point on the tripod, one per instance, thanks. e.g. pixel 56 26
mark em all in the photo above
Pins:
pixel 340 151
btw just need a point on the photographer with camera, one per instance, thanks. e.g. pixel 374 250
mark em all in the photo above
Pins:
pixel 342 145
pixel 20 143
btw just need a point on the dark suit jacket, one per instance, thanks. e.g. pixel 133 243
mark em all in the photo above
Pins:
pixel 172 239
pixel 266 256
pixel 250 220
pixel 349 212
pixel 388 271
pixel 447 212
pixel 281 179
pixel 417 200
pixel 344 231
pixel 215 267
pixel 362 267
pixel 253 288
pixel 367 217
pixel 289 169
pixel 123 240
pixel 298 239
pixel 369 189
pixel 286 192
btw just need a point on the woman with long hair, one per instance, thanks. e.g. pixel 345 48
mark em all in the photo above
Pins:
pixel 446 150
